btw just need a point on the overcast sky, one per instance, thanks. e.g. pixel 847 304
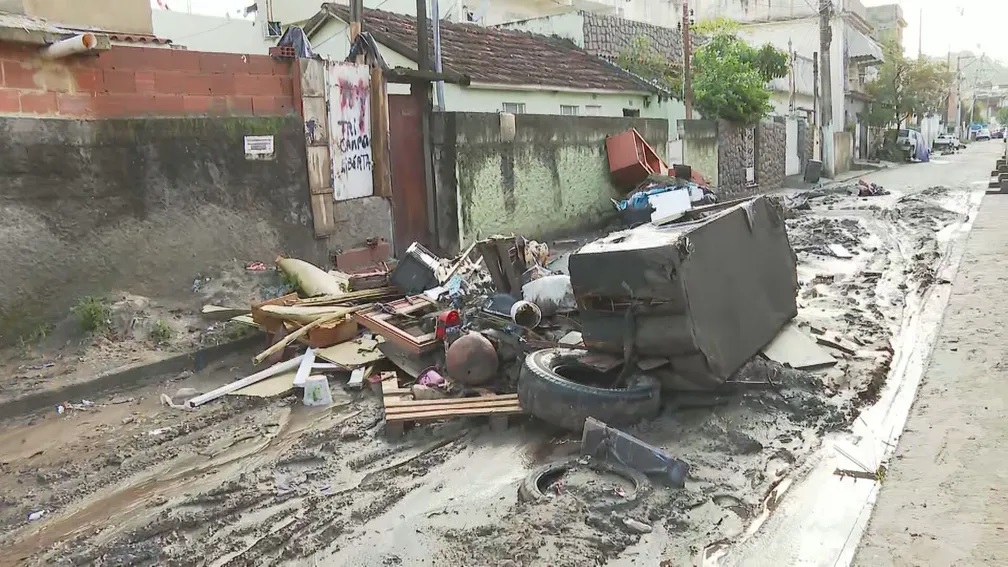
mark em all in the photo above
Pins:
pixel 975 25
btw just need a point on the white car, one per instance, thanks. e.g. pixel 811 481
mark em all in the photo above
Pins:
pixel 983 134
pixel 907 141
pixel 948 142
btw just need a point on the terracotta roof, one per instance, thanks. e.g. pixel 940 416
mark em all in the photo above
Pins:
pixel 48 30
pixel 493 55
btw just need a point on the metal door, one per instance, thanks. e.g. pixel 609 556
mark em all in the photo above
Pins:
pixel 409 191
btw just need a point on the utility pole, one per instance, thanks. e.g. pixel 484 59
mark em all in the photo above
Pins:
pixel 422 92
pixel 920 35
pixel 825 79
pixel 791 76
pixel 356 23
pixel 687 72
pixel 816 111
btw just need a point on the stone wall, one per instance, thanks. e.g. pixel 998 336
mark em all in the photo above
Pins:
pixel 551 179
pixel 732 161
pixel 771 147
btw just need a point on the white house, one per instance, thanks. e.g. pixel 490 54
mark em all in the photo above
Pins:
pixel 854 53
pixel 509 71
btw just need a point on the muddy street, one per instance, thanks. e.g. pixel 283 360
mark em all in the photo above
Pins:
pixel 250 481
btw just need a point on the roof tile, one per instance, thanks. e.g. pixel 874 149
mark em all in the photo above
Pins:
pixel 493 55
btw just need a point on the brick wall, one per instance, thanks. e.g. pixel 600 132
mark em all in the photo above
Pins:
pixel 134 82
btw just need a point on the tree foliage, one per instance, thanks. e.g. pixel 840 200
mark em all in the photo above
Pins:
pixel 716 26
pixel 1002 115
pixel 729 76
pixel 905 87
pixel 645 61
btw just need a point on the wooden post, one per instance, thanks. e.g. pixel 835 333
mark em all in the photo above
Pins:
pixel 687 74
pixel 380 134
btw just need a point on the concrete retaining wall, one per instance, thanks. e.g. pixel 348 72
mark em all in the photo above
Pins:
pixel 553 178
pixel 92 207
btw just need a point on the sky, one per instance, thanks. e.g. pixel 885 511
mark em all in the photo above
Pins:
pixel 980 26
pixel 959 25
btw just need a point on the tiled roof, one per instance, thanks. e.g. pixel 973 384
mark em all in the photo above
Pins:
pixel 492 55
pixel 48 28
pixel 608 36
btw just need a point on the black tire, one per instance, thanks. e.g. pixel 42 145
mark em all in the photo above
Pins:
pixel 554 399
pixel 529 490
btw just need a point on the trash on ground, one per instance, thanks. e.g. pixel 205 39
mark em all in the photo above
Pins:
pixel 37 515
pixel 687 291
pixel 865 189
pixel 317 392
pixel 607 444
pixel 310 279
pixel 794 348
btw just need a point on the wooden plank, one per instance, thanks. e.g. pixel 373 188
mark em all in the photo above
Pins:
pixel 381 160
pixel 398 407
pixel 323 213
pixel 459 401
pixel 464 412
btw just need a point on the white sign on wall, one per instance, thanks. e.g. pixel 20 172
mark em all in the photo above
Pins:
pixel 349 97
pixel 259 147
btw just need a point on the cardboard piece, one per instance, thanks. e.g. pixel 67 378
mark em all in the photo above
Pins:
pixel 353 354
pixel 795 348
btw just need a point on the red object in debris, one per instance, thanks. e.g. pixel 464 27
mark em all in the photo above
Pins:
pixel 447 322
pixel 360 259
pixel 631 159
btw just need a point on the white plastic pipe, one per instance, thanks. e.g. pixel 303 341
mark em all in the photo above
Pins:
pixel 79 43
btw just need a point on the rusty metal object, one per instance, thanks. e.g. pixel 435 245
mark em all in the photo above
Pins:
pixel 472 360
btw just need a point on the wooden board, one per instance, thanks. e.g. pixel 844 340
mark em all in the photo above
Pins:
pixel 275 386
pixel 395 406
pixel 514 409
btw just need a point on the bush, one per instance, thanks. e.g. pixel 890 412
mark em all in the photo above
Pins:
pixel 94 314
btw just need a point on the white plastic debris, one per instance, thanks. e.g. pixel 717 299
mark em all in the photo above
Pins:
pixel 36 515
pixel 317 392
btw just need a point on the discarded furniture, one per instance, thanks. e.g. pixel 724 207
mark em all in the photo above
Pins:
pixel 400 322
pixel 631 159
pixel 707 294
pixel 400 410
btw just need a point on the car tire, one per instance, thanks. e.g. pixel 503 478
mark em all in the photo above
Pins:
pixel 530 490
pixel 562 402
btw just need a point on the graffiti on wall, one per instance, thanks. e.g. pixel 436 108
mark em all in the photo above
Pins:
pixel 350 130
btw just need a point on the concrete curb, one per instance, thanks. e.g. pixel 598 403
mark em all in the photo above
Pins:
pixel 132 377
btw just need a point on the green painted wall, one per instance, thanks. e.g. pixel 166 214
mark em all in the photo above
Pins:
pixel 700 146
pixel 552 179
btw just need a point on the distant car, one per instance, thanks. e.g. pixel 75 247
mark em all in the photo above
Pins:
pixel 998 133
pixel 983 134
pixel 948 142
pixel 908 141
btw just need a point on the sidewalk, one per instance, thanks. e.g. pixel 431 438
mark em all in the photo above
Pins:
pixel 945 498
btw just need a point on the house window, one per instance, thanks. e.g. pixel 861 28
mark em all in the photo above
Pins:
pixel 631 112
pixel 593 110
pixel 514 107
pixel 569 110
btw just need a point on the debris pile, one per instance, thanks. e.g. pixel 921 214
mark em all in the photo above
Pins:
pixel 496 332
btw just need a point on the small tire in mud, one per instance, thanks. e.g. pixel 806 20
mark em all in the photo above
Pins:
pixel 535 486
pixel 546 393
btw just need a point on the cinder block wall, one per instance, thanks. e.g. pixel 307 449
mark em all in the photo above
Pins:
pixel 127 172
pixel 130 82
pixel 553 179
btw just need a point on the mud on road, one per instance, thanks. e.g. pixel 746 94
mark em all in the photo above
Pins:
pixel 270 482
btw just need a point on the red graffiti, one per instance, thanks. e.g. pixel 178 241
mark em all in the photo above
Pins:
pixel 351 95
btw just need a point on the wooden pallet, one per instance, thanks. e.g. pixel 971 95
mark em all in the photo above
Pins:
pixel 401 410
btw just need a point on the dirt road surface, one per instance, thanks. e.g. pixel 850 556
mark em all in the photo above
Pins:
pixel 270 482
pixel 943 501
pixel 824 516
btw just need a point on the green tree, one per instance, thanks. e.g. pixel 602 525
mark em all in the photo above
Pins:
pixel 907 86
pixel 1002 115
pixel 729 76
pixel 716 26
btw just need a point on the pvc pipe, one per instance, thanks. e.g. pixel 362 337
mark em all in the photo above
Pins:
pixel 438 85
pixel 248 380
pixel 526 314
pixel 79 43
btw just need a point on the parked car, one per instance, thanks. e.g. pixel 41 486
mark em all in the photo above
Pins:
pixel 983 134
pixel 908 141
pixel 998 133
pixel 948 142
